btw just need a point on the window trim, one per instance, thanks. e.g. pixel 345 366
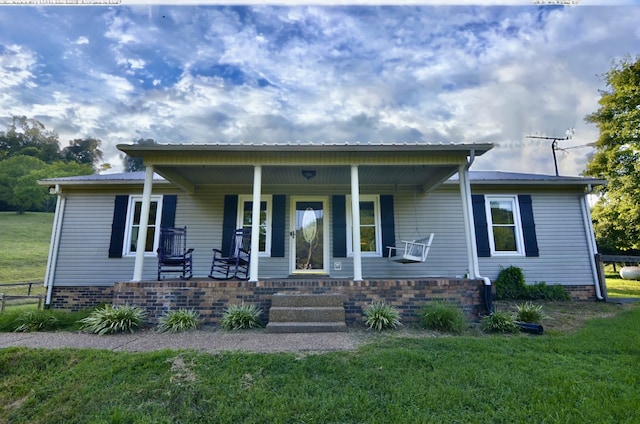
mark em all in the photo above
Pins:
pixel 377 222
pixel 517 222
pixel 133 199
pixel 242 198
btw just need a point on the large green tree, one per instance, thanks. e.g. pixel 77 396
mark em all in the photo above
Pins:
pixel 617 159
pixel 85 151
pixel 29 137
pixel 19 177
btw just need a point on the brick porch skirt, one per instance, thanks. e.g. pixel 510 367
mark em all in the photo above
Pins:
pixel 210 297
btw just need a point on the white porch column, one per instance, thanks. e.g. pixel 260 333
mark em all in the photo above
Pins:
pixel 255 224
pixel 355 219
pixel 467 214
pixel 144 224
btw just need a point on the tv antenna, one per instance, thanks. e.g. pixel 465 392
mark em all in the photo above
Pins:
pixel 554 144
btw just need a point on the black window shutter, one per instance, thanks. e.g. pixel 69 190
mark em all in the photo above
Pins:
pixel 229 220
pixel 481 227
pixel 338 204
pixel 388 223
pixel 528 226
pixel 169 202
pixel 278 232
pixel 117 226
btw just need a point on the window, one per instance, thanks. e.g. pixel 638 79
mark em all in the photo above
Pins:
pixel 505 229
pixel 133 225
pixel 370 232
pixel 245 210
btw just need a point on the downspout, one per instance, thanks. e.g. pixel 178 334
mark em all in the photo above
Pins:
pixel 467 212
pixel 591 240
pixel 54 245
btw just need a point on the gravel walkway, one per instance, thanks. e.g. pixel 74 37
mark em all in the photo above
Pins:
pixel 203 341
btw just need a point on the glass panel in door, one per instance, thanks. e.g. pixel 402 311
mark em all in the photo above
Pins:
pixel 309 237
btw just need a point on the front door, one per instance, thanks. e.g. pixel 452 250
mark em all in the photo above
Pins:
pixel 310 253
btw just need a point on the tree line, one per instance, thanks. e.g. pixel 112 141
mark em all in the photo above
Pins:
pixel 30 152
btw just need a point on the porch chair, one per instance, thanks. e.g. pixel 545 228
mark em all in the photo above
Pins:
pixel 173 255
pixel 235 262
pixel 412 251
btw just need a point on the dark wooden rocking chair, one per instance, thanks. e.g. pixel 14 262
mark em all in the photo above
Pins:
pixel 235 262
pixel 173 255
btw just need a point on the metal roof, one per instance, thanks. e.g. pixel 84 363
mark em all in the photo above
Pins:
pixel 352 146
pixel 501 177
pixel 476 177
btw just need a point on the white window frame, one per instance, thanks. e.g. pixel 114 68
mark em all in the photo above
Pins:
pixel 377 220
pixel 517 222
pixel 242 198
pixel 128 232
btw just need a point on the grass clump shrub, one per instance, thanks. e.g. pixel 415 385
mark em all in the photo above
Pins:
pixel 528 312
pixel 443 317
pixel 510 285
pixel 499 322
pixel 179 320
pixel 380 316
pixel 35 320
pixel 114 319
pixel 240 317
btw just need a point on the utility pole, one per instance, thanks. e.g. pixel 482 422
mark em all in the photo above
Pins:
pixel 554 145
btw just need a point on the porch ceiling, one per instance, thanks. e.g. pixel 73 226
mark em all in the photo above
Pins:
pixel 426 176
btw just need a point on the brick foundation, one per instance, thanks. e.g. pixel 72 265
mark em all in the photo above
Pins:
pixel 211 297
pixel 76 298
pixel 581 293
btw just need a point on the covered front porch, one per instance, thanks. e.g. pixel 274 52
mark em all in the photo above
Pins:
pixel 335 183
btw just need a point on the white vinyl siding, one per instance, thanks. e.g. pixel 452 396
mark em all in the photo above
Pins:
pixel 564 258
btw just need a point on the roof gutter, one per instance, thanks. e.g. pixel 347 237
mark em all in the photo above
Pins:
pixel 467 211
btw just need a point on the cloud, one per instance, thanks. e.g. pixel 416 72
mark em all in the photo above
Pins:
pixel 263 73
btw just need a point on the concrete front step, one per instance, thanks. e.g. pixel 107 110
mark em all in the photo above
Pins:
pixel 306 327
pixel 304 299
pixel 306 314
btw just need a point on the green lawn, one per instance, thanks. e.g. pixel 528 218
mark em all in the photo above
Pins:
pixel 589 376
pixel 619 288
pixel 24 247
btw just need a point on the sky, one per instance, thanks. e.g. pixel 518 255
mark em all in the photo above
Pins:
pixel 465 72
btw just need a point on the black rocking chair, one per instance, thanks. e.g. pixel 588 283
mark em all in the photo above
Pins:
pixel 173 255
pixel 234 263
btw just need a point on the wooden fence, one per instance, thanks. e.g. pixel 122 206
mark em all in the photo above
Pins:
pixel 602 260
pixel 22 299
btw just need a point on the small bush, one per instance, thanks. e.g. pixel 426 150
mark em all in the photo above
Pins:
pixel 528 312
pixel 510 283
pixel 443 317
pixel 114 319
pixel 179 320
pixel 238 317
pixel 380 316
pixel 35 321
pixel 499 322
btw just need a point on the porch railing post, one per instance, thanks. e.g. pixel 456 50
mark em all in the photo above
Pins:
pixel 144 224
pixel 255 224
pixel 355 219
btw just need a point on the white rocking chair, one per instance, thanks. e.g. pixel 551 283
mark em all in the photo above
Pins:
pixel 412 251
